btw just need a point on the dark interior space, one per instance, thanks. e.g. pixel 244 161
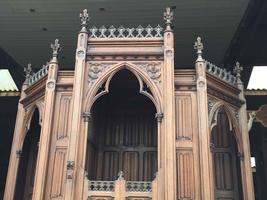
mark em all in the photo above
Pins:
pixel 27 160
pixel 226 163
pixel 123 134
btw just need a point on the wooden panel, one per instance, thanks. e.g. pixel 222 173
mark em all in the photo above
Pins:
pixel 131 165
pixel 110 166
pixel 101 198
pixel 138 198
pixel 58 177
pixel 63 117
pixel 150 165
pixel 184 117
pixel 124 140
pixel 185 175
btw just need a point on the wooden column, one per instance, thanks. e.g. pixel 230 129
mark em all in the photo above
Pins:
pixel 17 144
pixel 43 152
pixel 168 122
pixel 75 171
pixel 247 179
pixel 203 127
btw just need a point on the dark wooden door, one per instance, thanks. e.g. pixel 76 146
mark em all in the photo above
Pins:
pixel 226 167
pixel 127 141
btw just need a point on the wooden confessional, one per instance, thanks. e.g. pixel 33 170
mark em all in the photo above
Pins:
pixel 126 124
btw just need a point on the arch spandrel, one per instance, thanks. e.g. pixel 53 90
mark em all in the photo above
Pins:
pixel 232 120
pixel 99 74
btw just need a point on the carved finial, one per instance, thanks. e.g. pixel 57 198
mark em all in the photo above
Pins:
pixel 199 47
pixel 84 19
pixel 168 17
pixel 120 175
pixel 56 49
pixel 237 71
pixel 28 71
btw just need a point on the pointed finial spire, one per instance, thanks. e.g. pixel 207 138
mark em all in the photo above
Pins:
pixel 56 49
pixel 84 16
pixel 199 47
pixel 237 71
pixel 168 17
pixel 28 72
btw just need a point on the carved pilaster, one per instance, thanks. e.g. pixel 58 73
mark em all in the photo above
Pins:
pixel 242 112
pixel 46 130
pixel 168 184
pixel 77 141
pixel 203 121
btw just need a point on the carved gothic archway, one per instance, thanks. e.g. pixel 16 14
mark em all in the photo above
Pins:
pixel 27 156
pixel 122 135
pixel 225 158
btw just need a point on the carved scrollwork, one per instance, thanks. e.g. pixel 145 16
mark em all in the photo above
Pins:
pixel 153 70
pixel 95 70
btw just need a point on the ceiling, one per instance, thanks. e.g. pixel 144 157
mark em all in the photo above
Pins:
pixel 23 38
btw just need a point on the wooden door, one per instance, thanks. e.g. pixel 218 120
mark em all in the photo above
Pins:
pixel 128 143
pixel 226 169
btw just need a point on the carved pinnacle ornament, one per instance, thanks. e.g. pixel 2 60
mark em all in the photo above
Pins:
pixel 168 17
pixel 55 48
pixel 237 71
pixel 84 16
pixel 199 47
pixel 28 71
pixel 120 175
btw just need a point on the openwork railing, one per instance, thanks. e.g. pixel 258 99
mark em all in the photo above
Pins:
pixel 221 73
pixel 101 186
pixel 138 186
pixel 121 32
pixel 38 75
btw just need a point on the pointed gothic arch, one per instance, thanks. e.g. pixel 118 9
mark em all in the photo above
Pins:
pixel 106 77
pixel 126 128
pixel 226 154
pixel 27 155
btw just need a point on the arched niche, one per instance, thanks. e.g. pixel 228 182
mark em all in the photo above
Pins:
pixel 225 158
pixel 122 133
pixel 28 158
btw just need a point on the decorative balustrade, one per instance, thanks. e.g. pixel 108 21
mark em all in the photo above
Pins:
pixel 38 75
pixel 221 73
pixel 121 32
pixel 101 186
pixel 138 186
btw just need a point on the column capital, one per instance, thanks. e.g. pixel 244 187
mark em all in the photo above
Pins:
pixel 86 116
pixel 159 117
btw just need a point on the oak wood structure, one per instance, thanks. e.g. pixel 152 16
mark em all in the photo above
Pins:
pixel 125 124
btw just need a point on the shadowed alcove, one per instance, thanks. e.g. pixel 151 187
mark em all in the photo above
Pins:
pixel 28 159
pixel 226 160
pixel 122 133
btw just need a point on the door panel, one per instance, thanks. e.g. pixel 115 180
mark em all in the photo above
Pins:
pixel 227 180
pixel 127 141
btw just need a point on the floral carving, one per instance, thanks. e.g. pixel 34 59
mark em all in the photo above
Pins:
pixel 95 70
pixel 152 69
